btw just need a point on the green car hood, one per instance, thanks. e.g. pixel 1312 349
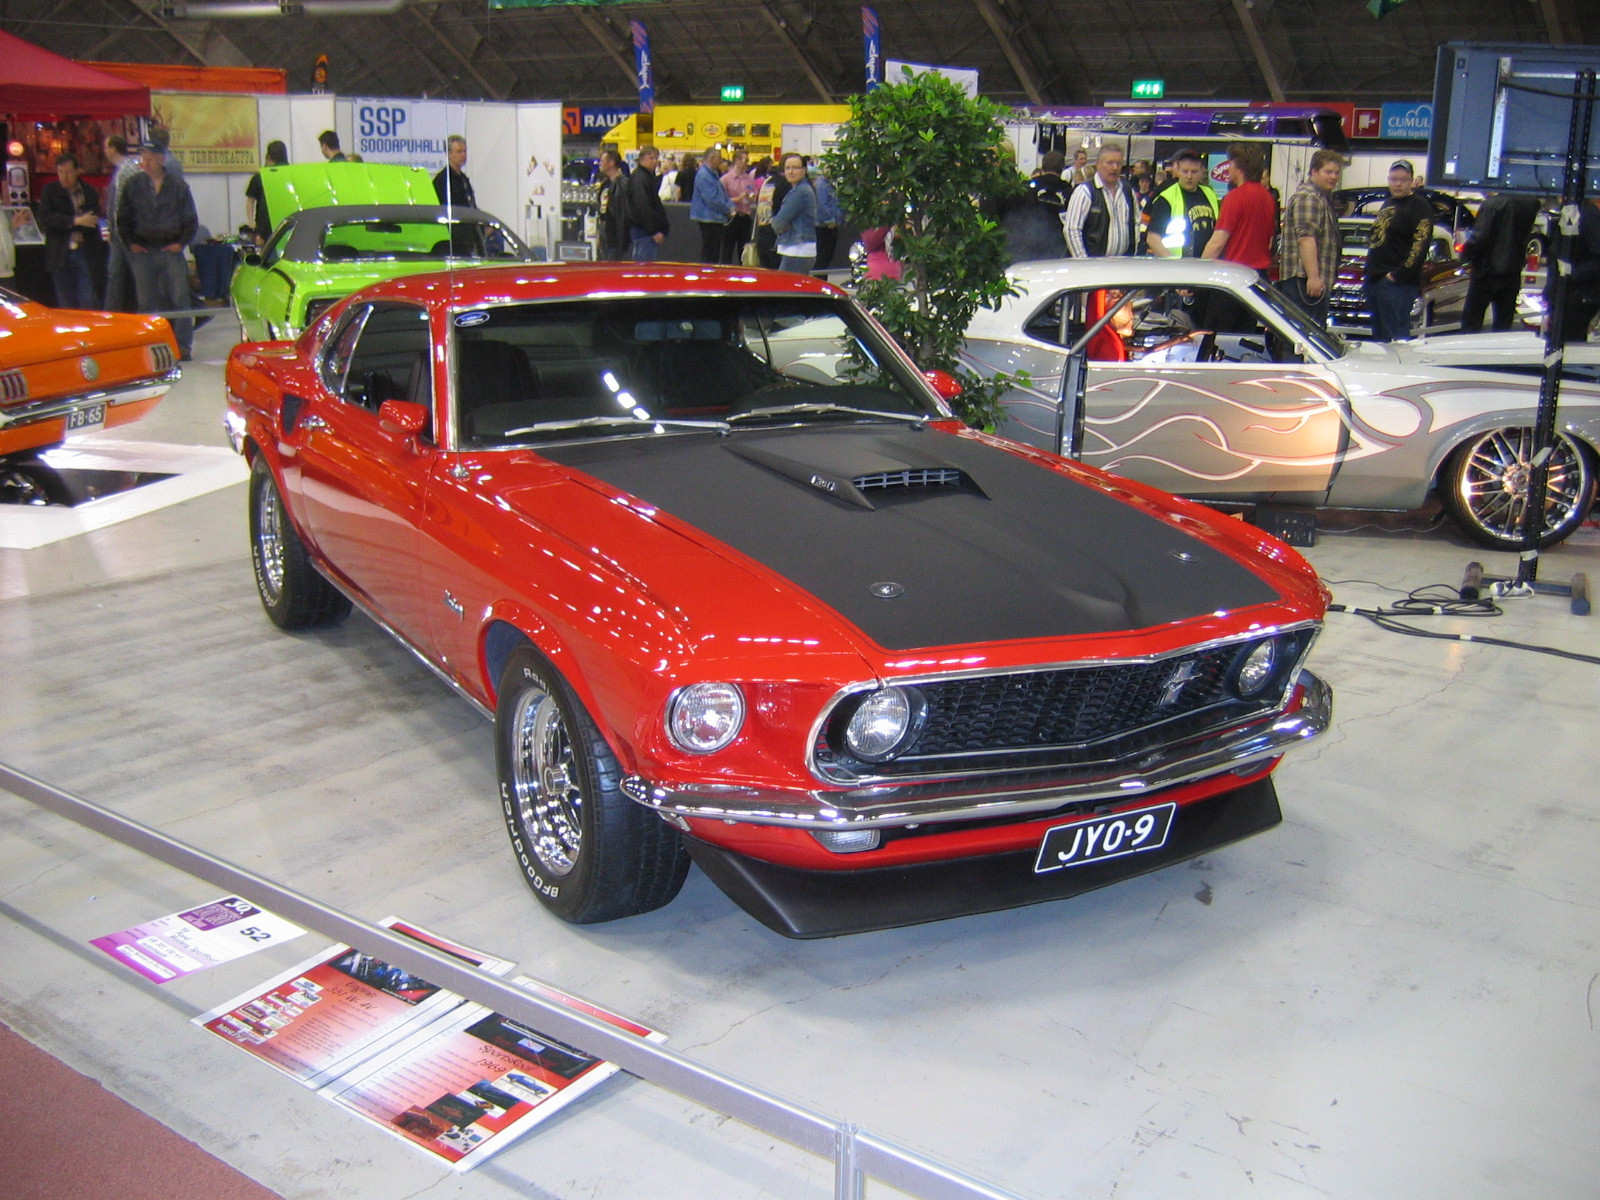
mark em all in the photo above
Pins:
pixel 317 185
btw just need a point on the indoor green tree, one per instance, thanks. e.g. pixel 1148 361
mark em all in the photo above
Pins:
pixel 923 158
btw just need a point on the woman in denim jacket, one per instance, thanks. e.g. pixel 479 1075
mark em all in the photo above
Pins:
pixel 795 222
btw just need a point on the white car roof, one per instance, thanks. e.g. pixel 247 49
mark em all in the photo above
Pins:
pixel 1037 281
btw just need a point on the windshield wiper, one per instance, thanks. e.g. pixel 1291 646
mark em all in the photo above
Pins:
pixel 612 423
pixel 822 407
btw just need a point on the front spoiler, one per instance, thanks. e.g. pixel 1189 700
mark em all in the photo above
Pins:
pixel 813 904
pixel 1002 795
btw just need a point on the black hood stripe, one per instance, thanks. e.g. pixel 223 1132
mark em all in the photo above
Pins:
pixel 1004 549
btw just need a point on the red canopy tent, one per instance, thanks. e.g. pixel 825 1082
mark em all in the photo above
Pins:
pixel 34 81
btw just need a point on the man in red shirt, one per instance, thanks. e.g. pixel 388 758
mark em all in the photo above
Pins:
pixel 1249 215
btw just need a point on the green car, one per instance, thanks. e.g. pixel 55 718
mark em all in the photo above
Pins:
pixel 343 225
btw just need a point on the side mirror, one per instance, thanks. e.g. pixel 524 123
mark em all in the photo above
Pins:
pixel 944 383
pixel 403 416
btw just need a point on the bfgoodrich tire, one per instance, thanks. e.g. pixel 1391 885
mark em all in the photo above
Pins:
pixel 293 593
pixel 1484 487
pixel 588 852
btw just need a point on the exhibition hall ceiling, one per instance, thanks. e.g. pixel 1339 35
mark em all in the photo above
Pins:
pixel 791 51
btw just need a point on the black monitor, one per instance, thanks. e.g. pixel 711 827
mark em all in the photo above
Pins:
pixel 1491 131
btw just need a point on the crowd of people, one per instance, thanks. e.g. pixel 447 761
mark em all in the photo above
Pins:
pixel 125 248
pixel 1094 209
pixel 781 214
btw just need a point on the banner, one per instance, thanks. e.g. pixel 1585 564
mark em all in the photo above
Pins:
pixel 965 78
pixel 211 132
pixel 872 44
pixel 1407 120
pixel 641 61
pixel 412 133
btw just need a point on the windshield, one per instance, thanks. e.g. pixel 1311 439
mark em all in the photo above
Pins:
pixel 1324 341
pixel 418 241
pixel 656 365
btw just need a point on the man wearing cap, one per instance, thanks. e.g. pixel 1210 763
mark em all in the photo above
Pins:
pixel 156 216
pixel 1395 253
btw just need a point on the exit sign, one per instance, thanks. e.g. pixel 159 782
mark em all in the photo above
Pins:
pixel 732 93
pixel 1149 89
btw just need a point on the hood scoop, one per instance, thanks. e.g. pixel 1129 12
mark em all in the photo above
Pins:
pixel 858 472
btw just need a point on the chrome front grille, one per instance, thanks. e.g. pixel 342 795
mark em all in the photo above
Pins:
pixel 1068 716
pixel 13 386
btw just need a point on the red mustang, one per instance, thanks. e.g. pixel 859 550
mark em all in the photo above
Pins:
pixel 737 588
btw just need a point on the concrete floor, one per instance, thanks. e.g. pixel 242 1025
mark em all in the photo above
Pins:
pixel 1392 994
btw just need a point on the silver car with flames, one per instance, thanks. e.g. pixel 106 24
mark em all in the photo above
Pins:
pixel 1211 385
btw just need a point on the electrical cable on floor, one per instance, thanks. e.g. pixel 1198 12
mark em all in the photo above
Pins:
pixel 1442 600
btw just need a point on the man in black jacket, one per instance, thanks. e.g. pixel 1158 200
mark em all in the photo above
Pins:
pixel 613 225
pixel 1395 254
pixel 158 220
pixel 1031 221
pixel 69 214
pixel 647 216
pixel 1583 293
pixel 1496 252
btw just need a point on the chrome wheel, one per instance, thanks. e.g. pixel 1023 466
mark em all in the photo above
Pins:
pixel 545 782
pixel 1488 489
pixel 269 544
pixel 293 593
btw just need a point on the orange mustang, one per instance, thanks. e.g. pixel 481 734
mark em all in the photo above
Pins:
pixel 63 371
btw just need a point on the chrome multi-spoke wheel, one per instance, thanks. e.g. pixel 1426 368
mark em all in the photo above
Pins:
pixel 1486 487
pixel 544 781
pixel 588 852
pixel 269 544
pixel 293 593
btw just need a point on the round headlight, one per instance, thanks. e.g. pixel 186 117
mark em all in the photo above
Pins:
pixel 883 723
pixel 1256 668
pixel 706 716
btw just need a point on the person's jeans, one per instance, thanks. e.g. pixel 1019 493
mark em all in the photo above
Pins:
pixel 644 249
pixel 801 265
pixel 162 279
pixel 72 282
pixel 1391 308
pixel 1484 291
pixel 1295 290
pixel 734 236
pixel 119 280
pixel 711 233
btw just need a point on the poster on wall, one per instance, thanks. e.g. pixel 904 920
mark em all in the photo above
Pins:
pixel 423 1064
pixel 212 132
pixel 413 133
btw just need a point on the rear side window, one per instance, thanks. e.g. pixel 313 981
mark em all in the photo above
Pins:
pixel 390 359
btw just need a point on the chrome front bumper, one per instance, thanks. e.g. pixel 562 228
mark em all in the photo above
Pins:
pixel 1018 794
pixel 61 406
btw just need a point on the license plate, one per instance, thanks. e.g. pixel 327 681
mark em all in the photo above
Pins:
pixel 1100 838
pixel 91 417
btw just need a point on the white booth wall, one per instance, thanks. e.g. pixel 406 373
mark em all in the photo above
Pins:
pixel 513 159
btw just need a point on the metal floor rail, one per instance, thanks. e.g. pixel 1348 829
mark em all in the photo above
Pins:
pixel 856 1154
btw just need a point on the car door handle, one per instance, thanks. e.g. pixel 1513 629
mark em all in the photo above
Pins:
pixel 313 422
